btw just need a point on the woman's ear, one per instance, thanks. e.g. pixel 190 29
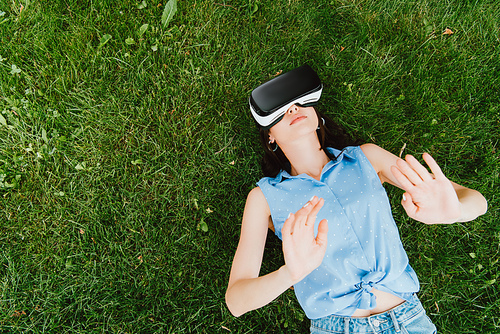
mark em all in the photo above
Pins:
pixel 271 138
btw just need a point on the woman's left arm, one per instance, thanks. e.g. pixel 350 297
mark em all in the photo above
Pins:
pixel 429 197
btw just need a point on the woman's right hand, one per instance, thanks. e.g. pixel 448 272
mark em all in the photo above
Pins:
pixel 302 251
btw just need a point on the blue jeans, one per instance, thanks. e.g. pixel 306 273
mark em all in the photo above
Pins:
pixel 407 318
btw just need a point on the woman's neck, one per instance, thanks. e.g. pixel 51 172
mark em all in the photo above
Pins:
pixel 306 156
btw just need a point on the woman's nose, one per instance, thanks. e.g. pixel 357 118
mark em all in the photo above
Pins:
pixel 293 108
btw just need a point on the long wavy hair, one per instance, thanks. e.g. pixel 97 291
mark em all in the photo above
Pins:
pixel 330 134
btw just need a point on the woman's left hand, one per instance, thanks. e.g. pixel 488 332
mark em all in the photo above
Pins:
pixel 429 198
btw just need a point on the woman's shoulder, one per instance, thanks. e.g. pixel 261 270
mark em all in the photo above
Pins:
pixel 369 147
pixel 368 150
pixel 256 201
pixel 377 156
pixel 257 198
pixel 255 194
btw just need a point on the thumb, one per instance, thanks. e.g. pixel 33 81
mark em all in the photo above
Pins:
pixel 322 236
pixel 408 204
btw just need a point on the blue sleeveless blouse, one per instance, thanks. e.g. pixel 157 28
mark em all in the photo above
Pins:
pixel 364 248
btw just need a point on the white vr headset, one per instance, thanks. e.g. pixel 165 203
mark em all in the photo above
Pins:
pixel 270 101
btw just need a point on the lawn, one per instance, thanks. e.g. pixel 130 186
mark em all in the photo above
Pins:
pixel 127 150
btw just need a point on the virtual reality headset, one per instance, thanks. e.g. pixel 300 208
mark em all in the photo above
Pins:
pixel 270 101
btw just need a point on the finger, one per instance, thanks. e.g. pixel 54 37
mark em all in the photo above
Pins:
pixel 322 236
pixel 408 205
pixel 308 206
pixel 408 171
pixel 311 217
pixel 402 179
pixel 299 218
pixel 422 172
pixel 435 169
pixel 303 212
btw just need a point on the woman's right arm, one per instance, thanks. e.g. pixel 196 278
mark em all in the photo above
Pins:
pixel 247 291
pixel 303 253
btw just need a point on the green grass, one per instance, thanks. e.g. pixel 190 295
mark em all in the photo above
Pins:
pixel 124 168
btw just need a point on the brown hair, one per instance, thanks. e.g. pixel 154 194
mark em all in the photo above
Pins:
pixel 330 134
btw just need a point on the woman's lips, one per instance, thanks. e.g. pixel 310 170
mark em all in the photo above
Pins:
pixel 297 119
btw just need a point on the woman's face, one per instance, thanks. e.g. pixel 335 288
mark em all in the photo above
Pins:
pixel 297 122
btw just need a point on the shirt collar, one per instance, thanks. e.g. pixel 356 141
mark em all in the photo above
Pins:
pixel 339 154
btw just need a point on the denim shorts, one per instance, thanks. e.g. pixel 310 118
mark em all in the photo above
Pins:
pixel 407 318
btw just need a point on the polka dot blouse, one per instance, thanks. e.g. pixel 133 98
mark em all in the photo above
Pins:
pixel 364 248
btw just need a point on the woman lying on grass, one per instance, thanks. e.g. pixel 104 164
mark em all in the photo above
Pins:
pixel 325 201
